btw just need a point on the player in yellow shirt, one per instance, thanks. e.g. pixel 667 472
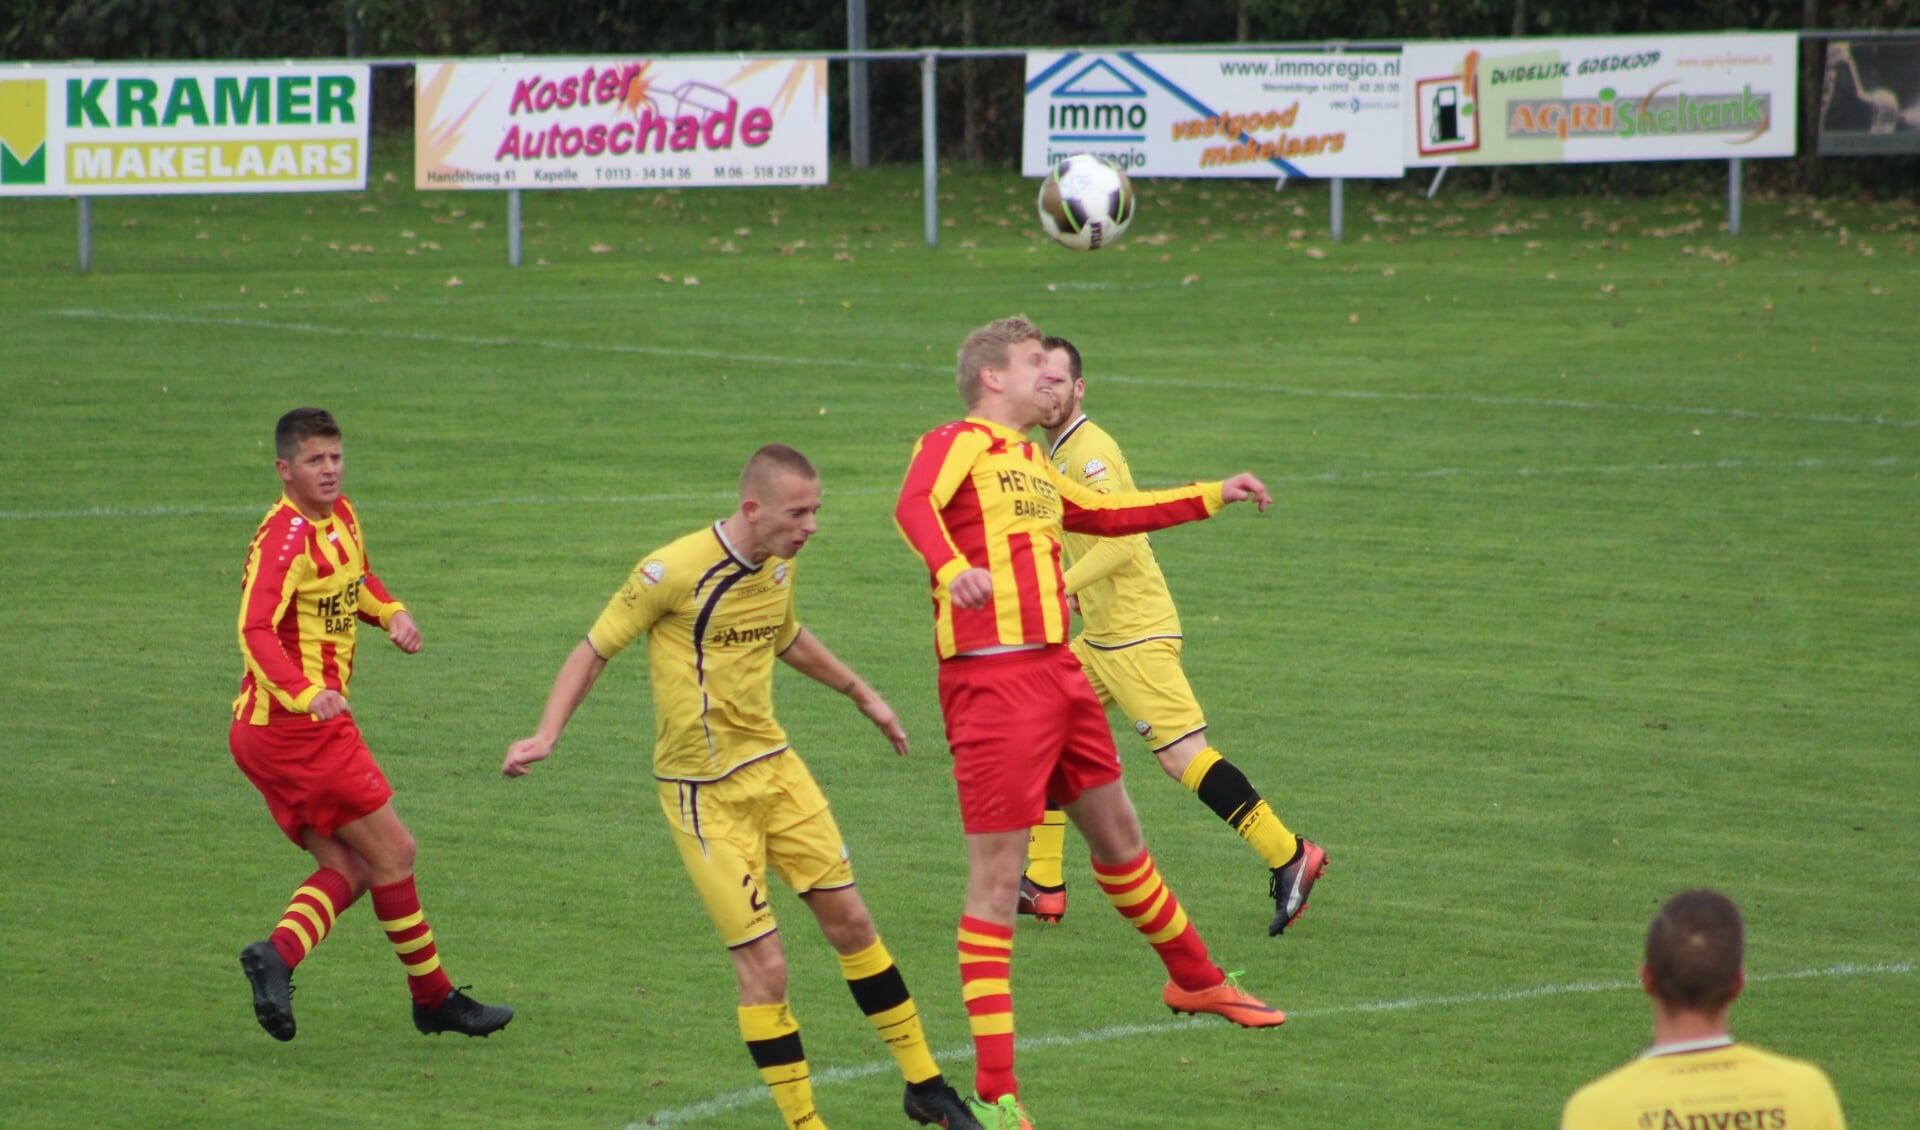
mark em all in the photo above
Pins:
pixel 717 608
pixel 1129 646
pixel 1696 1077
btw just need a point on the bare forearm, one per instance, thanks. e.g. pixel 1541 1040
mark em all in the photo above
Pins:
pixel 811 658
pixel 570 688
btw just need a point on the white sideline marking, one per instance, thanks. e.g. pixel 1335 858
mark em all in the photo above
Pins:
pixel 464 339
pixel 1811 463
pixel 1521 402
pixel 733 1100
pixel 915 367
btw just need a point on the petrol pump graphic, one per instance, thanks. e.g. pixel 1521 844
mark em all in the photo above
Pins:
pixel 1449 119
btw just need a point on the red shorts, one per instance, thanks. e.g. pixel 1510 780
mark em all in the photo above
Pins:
pixel 1024 726
pixel 317 775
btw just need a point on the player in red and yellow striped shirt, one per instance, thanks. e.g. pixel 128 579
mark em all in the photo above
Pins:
pixel 306 588
pixel 985 511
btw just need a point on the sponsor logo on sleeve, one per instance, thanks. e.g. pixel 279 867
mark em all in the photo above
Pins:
pixel 653 572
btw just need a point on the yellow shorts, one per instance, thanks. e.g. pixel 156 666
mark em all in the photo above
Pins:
pixel 1145 680
pixel 768 812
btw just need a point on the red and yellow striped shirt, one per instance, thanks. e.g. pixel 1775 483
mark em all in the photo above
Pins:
pixel 979 495
pixel 306 586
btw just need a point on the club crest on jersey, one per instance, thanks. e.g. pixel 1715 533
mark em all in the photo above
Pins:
pixel 1144 728
pixel 779 574
pixel 653 572
pixel 1094 470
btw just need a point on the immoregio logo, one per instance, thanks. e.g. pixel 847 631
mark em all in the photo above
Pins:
pixel 23 131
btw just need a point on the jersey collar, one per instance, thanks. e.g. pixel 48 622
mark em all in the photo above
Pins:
pixel 1066 435
pixel 1685 1046
pixel 1001 430
pixel 740 559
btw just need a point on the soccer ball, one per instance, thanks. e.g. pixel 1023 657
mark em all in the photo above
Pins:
pixel 1086 202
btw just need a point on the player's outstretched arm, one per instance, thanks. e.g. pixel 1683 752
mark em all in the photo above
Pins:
pixel 570 687
pixel 807 655
pixel 1243 487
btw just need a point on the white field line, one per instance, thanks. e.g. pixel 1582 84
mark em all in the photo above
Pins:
pixel 1302 479
pixel 1403 285
pixel 425 338
pixel 733 1100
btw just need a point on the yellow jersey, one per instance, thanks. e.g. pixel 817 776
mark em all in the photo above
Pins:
pixel 715 622
pixel 1123 595
pixel 1708 1085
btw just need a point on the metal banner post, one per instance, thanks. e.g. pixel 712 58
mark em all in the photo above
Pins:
pixel 930 147
pixel 86 234
pixel 513 227
pixel 1734 177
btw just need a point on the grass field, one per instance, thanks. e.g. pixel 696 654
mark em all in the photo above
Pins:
pixel 1593 575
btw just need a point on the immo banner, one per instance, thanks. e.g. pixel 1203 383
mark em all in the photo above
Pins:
pixel 142 129
pixel 1207 114
pixel 1554 101
pixel 608 123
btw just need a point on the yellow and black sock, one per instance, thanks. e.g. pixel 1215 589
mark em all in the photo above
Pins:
pixel 773 1039
pixel 1046 848
pixel 882 994
pixel 1222 787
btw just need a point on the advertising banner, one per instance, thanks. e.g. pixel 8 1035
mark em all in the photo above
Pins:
pixel 1562 101
pixel 1870 100
pixel 611 123
pixel 142 129
pixel 1209 114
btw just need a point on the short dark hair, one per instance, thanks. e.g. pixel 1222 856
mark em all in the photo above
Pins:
pixel 300 425
pixel 1073 355
pixel 760 469
pixel 1695 946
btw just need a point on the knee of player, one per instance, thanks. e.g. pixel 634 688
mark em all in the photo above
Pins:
pixel 355 871
pixel 852 932
pixel 761 968
pixel 398 852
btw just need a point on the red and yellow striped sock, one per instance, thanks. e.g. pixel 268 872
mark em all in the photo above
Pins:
pixel 986 966
pixel 310 914
pixel 1135 890
pixel 397 905
pixel 773 1039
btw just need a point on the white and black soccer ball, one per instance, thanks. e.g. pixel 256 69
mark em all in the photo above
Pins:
pixel 1086 202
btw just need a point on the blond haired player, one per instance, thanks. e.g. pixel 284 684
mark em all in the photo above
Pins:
pixel 717 608
pixel 1130 645
pixel 1695 1074
pixel 984 510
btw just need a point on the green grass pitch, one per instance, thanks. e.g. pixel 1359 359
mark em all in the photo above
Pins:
pixel 1592 576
